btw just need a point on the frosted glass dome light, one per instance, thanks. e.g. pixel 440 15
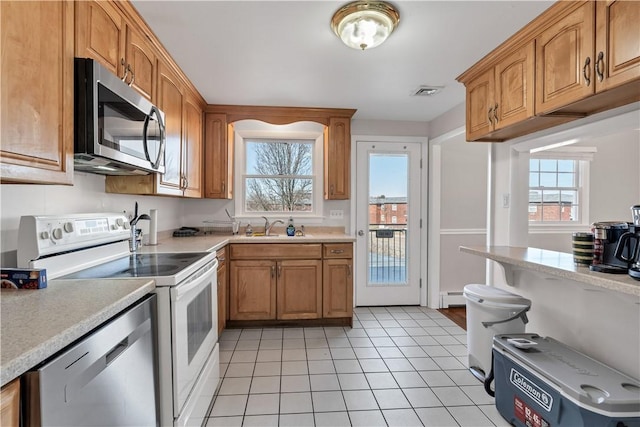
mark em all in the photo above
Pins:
pixel 365 24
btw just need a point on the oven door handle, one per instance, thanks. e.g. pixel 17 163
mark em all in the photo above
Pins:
pixel 194 281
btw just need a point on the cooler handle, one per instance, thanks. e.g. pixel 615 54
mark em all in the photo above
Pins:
pixel 522 314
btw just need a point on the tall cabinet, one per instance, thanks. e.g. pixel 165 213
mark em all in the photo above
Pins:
pixel 37 92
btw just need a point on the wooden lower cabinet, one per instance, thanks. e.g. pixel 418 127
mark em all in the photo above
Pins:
pixel 337 288
pixel 299 289
pixel 10 404
pixel 293 281
pixel 252 290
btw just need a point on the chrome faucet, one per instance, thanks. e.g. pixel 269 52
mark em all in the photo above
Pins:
pixel 133 243
pixel 268 226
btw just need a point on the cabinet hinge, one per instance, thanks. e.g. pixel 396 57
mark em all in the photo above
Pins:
pixel 420 222
pixel 421 283
pixel 420 163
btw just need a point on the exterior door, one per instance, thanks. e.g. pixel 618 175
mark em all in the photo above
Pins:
pixel 388 259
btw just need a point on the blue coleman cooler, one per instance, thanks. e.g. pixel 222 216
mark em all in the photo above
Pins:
pixel 540 382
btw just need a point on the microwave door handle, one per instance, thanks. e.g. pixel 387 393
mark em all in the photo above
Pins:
pixel 156 112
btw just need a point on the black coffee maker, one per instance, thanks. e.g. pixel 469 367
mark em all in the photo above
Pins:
pixel 628 249
pixel 606 237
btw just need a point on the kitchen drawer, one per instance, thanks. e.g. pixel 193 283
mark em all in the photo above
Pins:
pixel 274 251
pixel 338 250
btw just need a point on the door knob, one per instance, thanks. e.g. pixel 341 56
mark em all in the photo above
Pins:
pixel 360 233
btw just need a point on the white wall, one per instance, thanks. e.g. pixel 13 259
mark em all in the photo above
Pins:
pixel 463 211
pixel 85 196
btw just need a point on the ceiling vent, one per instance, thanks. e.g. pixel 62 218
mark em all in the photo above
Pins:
pixel 426 90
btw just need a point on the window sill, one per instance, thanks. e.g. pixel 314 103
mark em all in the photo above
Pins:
pixel 297 219
pixel 558 228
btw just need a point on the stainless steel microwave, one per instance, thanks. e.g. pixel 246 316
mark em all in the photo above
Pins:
pixel 117 130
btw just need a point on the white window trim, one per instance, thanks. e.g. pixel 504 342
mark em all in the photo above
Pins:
pixel 316 216
pixel 583 157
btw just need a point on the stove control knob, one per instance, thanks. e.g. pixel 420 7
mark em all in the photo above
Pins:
pixel 119 222
pixel 44 235
pixel 114 227
pixel 68 227
pixel 127 226
pixel 57 233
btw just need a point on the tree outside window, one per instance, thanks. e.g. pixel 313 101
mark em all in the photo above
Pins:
pixel 279 175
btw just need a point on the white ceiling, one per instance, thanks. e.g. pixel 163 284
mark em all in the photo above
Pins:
pixel 284 53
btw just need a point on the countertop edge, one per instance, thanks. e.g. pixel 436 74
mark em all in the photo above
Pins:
pixel 34 356
pixel 507 255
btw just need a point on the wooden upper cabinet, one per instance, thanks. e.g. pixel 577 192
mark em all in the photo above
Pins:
pixel 502 95
pixel 617 57
pixel 37 92
pixel 100 34
pixel 480 97
pixel 564 60
pixel 218 152
pixel 104 34
pixel 170 98
pixel 192 148
pixel 140 59
pixel 337 159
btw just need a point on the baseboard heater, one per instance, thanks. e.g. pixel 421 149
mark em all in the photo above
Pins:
pixel 448 299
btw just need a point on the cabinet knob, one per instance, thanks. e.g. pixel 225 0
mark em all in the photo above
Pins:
pixel 586 71
pixel 337 251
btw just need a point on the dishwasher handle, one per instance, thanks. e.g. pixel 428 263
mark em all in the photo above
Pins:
pixel 116 351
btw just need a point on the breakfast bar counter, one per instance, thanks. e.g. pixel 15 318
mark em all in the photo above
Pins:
pixel 555 264
pixel 36 324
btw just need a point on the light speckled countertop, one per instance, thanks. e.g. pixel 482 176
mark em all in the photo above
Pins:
pixel 212 242
pixel 38 323
pixel 558 264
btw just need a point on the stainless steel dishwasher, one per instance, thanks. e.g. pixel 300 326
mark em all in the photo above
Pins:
pixel 107 378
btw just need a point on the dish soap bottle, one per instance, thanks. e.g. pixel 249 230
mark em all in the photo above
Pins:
pixel 291 230
pixel 248 231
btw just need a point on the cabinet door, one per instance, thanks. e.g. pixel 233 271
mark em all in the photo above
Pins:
pixel 10 403
pixel 170 98
pixel 480 98
pixel 192 148
pixel 100 34
pixel 141 58
pixel 337 288
pixel 617 43
pixel 299 294
pixel 37 92
pixel 337 159
pixel 514 87
pixel 252 290
pixel 564 60
pixel 218 153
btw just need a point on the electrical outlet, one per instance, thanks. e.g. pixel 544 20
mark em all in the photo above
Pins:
pixel 336 214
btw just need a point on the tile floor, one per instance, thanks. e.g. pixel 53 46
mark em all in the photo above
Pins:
pixel 397 366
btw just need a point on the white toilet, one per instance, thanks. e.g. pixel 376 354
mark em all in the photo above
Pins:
pixel 491 311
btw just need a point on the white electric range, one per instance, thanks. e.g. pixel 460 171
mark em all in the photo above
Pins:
pixel 96 246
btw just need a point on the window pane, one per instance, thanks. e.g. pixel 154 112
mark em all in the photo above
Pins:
pixel 548 165
pixel 550 196
pixel 278 194
pixel 269 157
pixel 551 213
pixel 566 180
pixel 534 179
pixel 535 212
pixel 534 165
pixel 548 179
pixel 535 196
pixel 566 165
pixel 569 197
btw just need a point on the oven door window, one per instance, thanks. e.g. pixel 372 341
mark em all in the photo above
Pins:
pixel 194 330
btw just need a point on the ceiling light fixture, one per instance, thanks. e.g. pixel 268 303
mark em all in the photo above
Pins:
pixel 365 24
